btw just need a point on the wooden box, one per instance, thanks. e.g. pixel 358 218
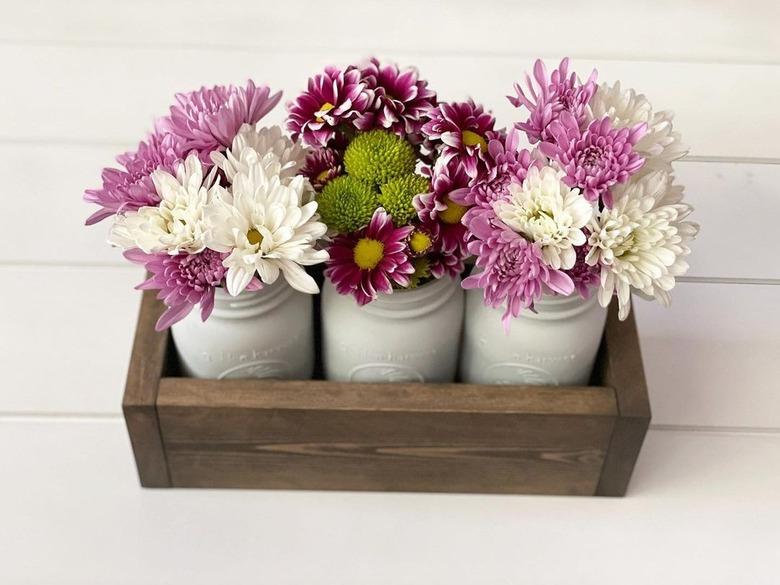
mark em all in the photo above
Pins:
pixel 399 437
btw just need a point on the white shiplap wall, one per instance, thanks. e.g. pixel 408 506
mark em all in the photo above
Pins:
pixel 82 81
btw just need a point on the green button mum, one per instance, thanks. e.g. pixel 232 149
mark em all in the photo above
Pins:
pixel 347 203
pixel 397 197
pixel 379 157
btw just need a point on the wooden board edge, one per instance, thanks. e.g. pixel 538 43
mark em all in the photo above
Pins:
pixel 139 402
pixel 622 367
pixel 337 396
pixel 628 435
pixel 623 370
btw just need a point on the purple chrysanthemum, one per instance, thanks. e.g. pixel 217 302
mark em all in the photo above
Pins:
pixel 131 188
pixel 208 119
pixel 550 96
pixel 400 98
pixel 513 270
pixel 184 281
pixel 322 165
pixel 464 129
pixel 584 276
pixel 438 209
pixel 367 262
pixel 596 159
pixel 507 162
pixel 331 98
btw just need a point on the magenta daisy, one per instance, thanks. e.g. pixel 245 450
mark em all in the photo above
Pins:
pixel 439 211
pixel 596 159
pixel 368 262
pixel 400 98
pixel 208 119
pixel 322 165
pixel 464 129
pixel 550 95
pixel 513 270
pixel 331 98
pixel 443 264
pixel 184 281
pixel 131 188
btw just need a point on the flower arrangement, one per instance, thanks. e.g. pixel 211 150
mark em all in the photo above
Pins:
pixel 590 203
pixel 388 161
pixel 213 199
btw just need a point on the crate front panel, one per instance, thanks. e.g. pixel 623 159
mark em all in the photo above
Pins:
pixel 350 442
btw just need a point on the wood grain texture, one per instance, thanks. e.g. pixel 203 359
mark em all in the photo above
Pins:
pixel 326 396
pixel 391 450
pixel 620 367
pixel 410 437
pixel 140 399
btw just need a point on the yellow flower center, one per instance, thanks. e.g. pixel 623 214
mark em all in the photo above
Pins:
pixel 323 176
pixel 368 253
pixel 419 242
pixel 254 236
pixel 326 107
pixel 473 139
pixel 453 213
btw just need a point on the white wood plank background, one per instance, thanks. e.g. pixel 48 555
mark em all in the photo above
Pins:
pixel 87 86
pixel 661 30
pixel 77 517
pixel 82 80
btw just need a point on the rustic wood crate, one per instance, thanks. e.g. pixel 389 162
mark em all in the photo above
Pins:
pixel 317 434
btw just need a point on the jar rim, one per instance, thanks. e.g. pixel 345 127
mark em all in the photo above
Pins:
pixel 251 302
pixel 408 303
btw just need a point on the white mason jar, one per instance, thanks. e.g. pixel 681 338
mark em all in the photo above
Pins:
pixel 557 345
pixel 411 335
pixel 258 334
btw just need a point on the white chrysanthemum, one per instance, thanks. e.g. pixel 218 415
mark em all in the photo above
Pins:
pixel 546 211
pixel 661 145
pixel 263 141
pixel 176 224
pixel 642 241
pixel 266 227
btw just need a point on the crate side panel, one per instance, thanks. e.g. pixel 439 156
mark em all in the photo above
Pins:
pixel 622 369
pixel 139 403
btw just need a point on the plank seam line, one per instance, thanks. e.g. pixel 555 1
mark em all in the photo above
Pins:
pixel 78 417
pixel 122 145
pixel 119 265
pixel 374 49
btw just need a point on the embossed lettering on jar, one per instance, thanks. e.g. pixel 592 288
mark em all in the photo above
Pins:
pixel 557 345
pixel 407 336
pixel 258 334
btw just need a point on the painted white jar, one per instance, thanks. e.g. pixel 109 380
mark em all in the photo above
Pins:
pixel 408 336
pixel 258 334
pixel 557 345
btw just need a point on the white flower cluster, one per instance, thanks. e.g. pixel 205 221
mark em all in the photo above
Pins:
pixel 549 213
pixel 265 219
pixel 641 241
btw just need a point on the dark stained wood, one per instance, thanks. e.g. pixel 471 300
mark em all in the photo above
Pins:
pixel 324 396
pixel 384 437
pixel 621 368
pixel 139 403
pixel 317 434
